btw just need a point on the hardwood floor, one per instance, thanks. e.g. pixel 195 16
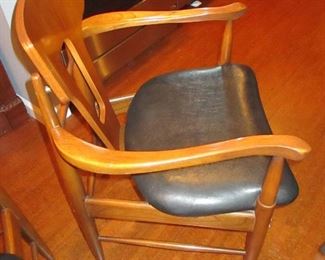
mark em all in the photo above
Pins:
pixel 284 42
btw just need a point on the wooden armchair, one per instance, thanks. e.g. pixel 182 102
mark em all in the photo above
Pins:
pixel 15 228
pixel 197 142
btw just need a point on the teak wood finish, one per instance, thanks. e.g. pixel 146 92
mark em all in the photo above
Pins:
pixel 16 228
pixel 78 83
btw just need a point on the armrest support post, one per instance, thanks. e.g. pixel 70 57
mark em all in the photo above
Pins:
pixel 272 182
pixel 226 46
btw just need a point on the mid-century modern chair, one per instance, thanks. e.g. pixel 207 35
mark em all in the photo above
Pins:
pixel 197 143
pixel 14 228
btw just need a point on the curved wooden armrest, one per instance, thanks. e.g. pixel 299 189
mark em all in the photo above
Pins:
pixel 118 20
pixel 96 159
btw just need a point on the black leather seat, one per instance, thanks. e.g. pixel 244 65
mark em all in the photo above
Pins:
pixel 164 115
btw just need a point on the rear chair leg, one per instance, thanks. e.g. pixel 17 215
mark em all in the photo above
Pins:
pixel 75 193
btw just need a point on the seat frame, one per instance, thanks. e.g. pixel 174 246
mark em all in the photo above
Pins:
pixel 73 154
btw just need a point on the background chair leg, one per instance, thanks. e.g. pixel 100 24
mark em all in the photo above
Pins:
pixel 15 225
pixel 34 250
pixel 11 231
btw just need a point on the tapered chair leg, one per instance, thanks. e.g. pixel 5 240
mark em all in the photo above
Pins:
pixel 265 205
pixel 75 193
pixel 70 180
pixel 255 239
pixel 12 236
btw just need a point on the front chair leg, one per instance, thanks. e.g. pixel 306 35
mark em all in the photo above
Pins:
pixel 264 208
pixel 255 239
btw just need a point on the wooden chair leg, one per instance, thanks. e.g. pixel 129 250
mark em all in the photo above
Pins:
pixel 264 209
pixel 91 178
pixel 91 184
pixel 34 250
pixel 15 224
pixel 75 193
pixel 11 231
pixel 255 239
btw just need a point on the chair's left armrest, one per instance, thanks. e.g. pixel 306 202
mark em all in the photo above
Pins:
pixel 100 160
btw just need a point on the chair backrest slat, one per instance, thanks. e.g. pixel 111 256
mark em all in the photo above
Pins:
pixel 45 29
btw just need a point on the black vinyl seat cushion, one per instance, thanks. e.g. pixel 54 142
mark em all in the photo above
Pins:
pixel 189 108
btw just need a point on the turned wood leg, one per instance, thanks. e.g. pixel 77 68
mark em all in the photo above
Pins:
pixel 255 239
pixel 264 209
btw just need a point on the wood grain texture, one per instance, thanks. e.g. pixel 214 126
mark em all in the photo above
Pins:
pixel 265 205
pixel 225 54
pixel 276 37
pixel 12 236
pixel 173 246
pixel 89 157
pixel 72 154
pixel 86 209
pixel 119 20
pixel 12 110
pixel 143 212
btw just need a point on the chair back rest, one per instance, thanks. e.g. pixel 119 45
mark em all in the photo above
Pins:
pixel 50 32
